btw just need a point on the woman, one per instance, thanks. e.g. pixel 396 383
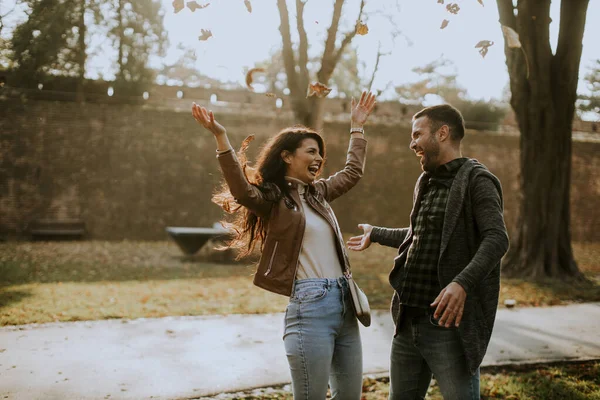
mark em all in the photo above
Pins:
pixel 282 206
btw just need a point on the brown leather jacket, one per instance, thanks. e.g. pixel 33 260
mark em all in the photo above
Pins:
pixel 279 260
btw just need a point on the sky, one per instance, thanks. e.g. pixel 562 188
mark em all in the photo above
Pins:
pixel 242 39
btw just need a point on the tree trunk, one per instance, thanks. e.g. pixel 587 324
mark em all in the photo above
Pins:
pixel 544 104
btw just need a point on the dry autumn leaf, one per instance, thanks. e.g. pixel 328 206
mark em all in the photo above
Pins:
pixel 178 5
pixel 250 78
pixel 361 29
pixel 317 89
pixel 444 24
pixel 453 8
pixel 272 95
pixel 192 5
pixel 440 1
pixel 481 2
pixel 204 34
pixel 483 46
pixel 248 5
pixel 512 37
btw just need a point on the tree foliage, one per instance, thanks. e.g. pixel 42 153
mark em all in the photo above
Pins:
pixel 591 102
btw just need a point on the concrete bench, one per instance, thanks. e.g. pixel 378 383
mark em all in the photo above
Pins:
pixel 190 240
pixel 45 229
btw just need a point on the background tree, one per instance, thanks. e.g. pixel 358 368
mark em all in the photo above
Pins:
pixel 591 102
pixel 309 111
pixel 544 90
pixel 438 81
pixel 137 33
pixel 345 78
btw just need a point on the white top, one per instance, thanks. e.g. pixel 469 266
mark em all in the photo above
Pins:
pixel 318 256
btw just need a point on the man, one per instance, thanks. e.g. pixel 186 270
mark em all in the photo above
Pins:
pixel 446 276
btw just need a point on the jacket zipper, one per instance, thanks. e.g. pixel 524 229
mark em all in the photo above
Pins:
pixel 272 258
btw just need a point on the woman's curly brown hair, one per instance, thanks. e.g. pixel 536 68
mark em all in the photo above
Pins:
pixel 269 177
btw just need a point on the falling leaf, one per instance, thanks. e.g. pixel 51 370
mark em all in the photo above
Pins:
pixel 205 34
pixel 250 79
pixel 481 2
pixel 444 24
pixel 483 47
pixel 272 95
pixel 512 37
pixel 361 29
pixel 453 8
pixel 317 89
pixel 248 5
pixel 192 5
pixel 440 1
pixel 178 5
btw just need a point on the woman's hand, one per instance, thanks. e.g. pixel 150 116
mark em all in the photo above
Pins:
pixel 362 242
pixel 207 120
pixel 360 112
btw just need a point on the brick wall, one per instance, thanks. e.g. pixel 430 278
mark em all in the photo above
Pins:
pixel 129 171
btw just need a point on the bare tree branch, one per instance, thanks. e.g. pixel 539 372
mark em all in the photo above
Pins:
pixel 331 57
pixel 379 55
pixel 303 45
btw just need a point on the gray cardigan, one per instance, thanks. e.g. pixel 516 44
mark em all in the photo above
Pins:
pixel 474 239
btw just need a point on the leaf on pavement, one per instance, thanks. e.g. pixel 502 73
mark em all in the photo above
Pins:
pixel 205 34
pixel 361 29
pixel 178 5
pixel 444 24
pixel 453 8
pixel 248 5
pixel 250 78
pixel 483 46
pixel 192 5
pixel 512 37
pixel 317 89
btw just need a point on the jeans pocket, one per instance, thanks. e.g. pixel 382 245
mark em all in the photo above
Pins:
pixel 309 294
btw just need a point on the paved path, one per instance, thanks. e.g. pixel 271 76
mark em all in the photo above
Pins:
pixel 187 357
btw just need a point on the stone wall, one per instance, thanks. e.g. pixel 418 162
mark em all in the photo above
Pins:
pixel 129 171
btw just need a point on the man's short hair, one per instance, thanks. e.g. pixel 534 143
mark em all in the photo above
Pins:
pixel 444 114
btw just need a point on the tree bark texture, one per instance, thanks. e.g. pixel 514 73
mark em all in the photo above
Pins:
pixel 544 104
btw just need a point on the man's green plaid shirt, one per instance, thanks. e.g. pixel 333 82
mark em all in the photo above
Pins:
pixel 421 286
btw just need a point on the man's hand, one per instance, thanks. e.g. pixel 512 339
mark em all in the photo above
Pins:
pixel 450 305
pixel 359 243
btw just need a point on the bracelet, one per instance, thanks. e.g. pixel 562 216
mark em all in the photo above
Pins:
pixel 359 130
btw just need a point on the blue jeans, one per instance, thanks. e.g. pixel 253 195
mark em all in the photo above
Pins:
pixel 422 348
pixel 322 341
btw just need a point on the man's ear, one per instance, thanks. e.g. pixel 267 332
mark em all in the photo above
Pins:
pixel 443 133
pixel 286 155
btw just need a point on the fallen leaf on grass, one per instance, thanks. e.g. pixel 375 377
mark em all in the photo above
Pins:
pixel 317 89
pixel 444 24
pixel 205 34
pixel 483 47
pixel 361 29
pixel 192 5
pixel 248 5
pixel 453 8
pixel 250 78
pixel 178 5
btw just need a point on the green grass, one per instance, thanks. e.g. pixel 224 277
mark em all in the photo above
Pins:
pixel 579 381
pixel 90 280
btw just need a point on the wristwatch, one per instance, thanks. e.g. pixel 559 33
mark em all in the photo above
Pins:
pixel 359 130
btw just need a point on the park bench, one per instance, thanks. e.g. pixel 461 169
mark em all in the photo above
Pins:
pixel 190 240
pixel 46 229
